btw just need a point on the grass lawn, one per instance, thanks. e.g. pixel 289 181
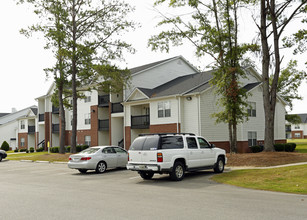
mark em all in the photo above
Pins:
pixel 287 179
pixel 301 145
pixel 39 156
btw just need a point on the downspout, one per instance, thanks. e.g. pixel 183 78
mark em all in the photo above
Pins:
pixel 199 117
pixel 179 113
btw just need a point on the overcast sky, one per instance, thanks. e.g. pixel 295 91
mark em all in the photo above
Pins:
pixel 22 59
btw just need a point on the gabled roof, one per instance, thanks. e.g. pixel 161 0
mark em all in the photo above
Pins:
pixel 3 114
pixel 16 115
pixel 303 117
pixel 145 67
pixel 250 86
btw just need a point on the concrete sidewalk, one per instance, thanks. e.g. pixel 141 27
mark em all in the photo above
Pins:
pixel 271 167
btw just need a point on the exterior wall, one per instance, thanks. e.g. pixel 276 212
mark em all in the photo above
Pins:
pixel 295 133
pixel 8 133
pixel 117 130
pixel 127 137
pixel 155 120
pixel 25 136
pixel 48 117
pixel 190 114
pixel 159 75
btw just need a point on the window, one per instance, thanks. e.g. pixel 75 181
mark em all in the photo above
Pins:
pixel 297 135
pixel 108 150
pixel 87 118
pixel 203 143
pixel 171 142
pixel 252 138
pixel 297 127
pixel 164 109
pixel 192 143
pixel 87 140
pixel 119 150
pixel 22 142
pixel 22 124
pixel 87 99
pixel 251 109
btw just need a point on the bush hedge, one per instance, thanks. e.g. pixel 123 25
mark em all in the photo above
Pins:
pixel 23 150
pixel 40 149
pixel 257 148
pixel 5 146
pixel 289 147
pixel 16 150
pixel 54 149
pixel 31 149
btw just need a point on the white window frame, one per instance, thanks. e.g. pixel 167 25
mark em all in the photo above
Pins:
pixel 22 142
pixel 297 127
pixel 252 109
pixel 297 135
pixel 22 125
pixel 252 138
pixel 164 109
pixel 87 118
pixel 87 140
pixel 87 99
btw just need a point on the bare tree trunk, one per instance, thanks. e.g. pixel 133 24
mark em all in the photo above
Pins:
pixel 74 86
pixel 62 119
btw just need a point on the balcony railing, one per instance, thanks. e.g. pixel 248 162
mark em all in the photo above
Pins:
pixel 103 125
pixel 41 117
pixel 140 122
pixel 55 110
pixel 55 128
pixel 117 107
pixel 103 100
pixel 288 128
pixel 31 129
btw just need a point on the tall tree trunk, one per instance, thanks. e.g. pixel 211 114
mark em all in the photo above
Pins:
pixel 269 110
pixel 74 85
pixel 62 119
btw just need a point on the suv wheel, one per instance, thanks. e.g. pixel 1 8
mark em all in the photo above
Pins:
pixel 219 166
pixel 177 173
pixel 146 175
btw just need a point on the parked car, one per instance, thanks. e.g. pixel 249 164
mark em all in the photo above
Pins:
pixel 2 155
pixel 99 158
pixel 174 154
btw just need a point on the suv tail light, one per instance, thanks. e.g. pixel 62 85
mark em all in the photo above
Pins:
pixel 86 158
pixel 159 157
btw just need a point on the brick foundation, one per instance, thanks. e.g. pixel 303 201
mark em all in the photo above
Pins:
pixel 127 137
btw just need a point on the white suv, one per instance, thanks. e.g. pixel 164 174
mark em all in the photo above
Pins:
pixel 174 154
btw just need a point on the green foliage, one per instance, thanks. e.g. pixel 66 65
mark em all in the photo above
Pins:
pixel 5 146
pixel 293 119
pixel 289 147
pixel 23 150
pixel 289 81
pixel 31 149
pixel 54 149
pixel 256 149
pixel 16 150
pixel 80 148
pixel 41 149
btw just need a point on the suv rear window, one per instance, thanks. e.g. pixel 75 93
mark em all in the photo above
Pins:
pixel 171 142
pixel 145 143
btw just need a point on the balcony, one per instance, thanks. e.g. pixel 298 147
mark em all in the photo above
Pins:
pixel 41 117
pixel 103 125
pixel 117 107
pixel 288 128
pixel 31 129
pixel 140 122
pixel 103 100
pixel 55 128
pixel 55 110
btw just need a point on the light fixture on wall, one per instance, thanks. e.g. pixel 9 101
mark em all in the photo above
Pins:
pixel 93 110
pixel 189 98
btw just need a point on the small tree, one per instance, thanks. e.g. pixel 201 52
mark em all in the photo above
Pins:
pixel 5 146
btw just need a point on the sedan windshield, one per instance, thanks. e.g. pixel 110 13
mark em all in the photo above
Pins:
pixel 89 150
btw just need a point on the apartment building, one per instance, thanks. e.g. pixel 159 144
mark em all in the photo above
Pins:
pixel 165 96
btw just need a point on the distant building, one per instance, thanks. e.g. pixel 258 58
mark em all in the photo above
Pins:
pixel 297 131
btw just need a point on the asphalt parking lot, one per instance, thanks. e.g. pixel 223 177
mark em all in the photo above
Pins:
pixel 52 191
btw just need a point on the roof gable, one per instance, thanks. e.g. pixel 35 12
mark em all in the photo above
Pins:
pixel 138 94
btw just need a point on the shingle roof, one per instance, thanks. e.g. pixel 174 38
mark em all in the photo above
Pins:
pixel 147 66
pixel 303 118
pixel 250 86
pixel 14 116
pixel 3 114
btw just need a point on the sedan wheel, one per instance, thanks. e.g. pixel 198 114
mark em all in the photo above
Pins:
pixel 101 167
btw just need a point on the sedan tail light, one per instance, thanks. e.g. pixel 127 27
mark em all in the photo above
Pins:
pixel 159 157
pixel 86 158
pixel 69 158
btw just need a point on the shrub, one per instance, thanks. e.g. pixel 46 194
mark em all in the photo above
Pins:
pixel 40 149
pixel 256 149
pixel 27 151
pixel 31 149
pixel 55 149
pixel 23 150
pixel 279 147
pixel 16 150
pixel 290 147
pixel 5 146
pixel 68 149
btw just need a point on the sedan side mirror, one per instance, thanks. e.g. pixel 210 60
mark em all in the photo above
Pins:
pixel 212 146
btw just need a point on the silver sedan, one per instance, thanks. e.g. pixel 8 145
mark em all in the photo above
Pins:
pixel 99 159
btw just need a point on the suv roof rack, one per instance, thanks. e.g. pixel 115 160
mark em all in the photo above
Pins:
pixel 167 134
